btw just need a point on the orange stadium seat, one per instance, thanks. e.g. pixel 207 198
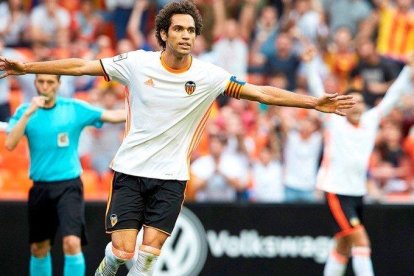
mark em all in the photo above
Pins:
pixel 15 99
pixel 91 183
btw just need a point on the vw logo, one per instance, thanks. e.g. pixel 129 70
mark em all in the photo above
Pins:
pixel 185 252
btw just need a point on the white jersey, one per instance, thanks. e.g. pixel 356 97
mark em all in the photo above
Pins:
pixel 348 148
pixel 167 111
pixel 301 160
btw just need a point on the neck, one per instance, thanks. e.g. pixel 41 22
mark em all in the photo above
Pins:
pixel 174 61
pixel 50 104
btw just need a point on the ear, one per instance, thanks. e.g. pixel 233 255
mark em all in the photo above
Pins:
pixel 163 35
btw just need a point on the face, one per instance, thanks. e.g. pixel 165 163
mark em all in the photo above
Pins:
pixel 181 34
pixel 47 86
pixel 353 115
pixel 343 38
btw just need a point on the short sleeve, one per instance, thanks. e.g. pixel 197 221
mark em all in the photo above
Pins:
pixel 16 117
pixel 224 83
pixel 89 115
pixel 118 68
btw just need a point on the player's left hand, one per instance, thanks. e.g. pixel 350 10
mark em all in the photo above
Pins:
pixel 11 67
pixel 334 103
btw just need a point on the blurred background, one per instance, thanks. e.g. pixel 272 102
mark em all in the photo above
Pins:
pixel 263 156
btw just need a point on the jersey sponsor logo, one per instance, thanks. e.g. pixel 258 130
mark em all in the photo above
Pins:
pixel 190 87
pixel 120 57
pixel 149 82
pixel 114 219
pixel 185 252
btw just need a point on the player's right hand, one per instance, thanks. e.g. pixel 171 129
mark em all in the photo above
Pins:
pixel 10 67
pixel 35 104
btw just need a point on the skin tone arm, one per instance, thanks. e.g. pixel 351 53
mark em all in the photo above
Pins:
pixel 13 138
pixel 71 66
pixel 114 116
pixel 17 132
pixel 329 103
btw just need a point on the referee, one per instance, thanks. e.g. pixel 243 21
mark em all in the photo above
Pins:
pixel 53 126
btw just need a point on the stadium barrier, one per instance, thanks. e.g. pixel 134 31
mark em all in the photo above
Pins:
pixel 233 239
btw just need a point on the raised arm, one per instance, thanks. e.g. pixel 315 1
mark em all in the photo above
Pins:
pixel 328 103
pixel 18 130
pixel 70 66
pixel 400 86
pixel 315 83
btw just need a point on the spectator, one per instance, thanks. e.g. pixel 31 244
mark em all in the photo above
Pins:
pixel 284 60
pixel 395 28
pixel 267 177
pixel 14 23
pixel 373 74
pixel 87 22
pixel 218 176
pixel 50 23
pixel 346 13
pixel 302 151
pixel 341 56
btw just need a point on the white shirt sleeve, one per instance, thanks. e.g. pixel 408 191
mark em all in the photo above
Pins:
pixel 219 79
pixel 119 67
pixel 400 86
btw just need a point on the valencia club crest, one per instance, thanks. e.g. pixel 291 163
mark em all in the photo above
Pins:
pixel 190 87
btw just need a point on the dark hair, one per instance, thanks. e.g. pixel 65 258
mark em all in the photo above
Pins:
pixel 163 20
pixel 57 76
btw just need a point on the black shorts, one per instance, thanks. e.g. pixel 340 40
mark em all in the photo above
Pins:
pixel 346 212
pixel 139 201
pixel 56 204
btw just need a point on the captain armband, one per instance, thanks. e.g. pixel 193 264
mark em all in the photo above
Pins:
pixel 234 87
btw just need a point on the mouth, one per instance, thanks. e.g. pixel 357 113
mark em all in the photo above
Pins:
pixel 184 45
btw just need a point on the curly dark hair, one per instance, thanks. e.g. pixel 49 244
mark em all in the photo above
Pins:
pixel 163 20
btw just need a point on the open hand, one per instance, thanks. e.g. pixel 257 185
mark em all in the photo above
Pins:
pixel 11 67
pixel 334 103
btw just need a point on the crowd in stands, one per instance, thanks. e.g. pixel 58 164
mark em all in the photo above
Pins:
pixel 249 152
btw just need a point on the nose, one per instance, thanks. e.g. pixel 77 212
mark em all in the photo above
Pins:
pixel 186 34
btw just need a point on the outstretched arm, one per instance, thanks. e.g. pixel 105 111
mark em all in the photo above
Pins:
pixel 328 103
pixel 70 66
pixel 114 116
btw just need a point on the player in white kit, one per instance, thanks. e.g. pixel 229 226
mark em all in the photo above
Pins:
pixel 169 97
pixel 349 142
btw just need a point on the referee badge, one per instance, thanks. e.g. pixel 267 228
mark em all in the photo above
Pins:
pixel 114 219
pixel 190 87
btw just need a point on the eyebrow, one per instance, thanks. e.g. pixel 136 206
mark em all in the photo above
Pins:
pixel 181 26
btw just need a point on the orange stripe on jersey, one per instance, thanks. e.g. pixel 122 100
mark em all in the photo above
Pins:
pixel 176 71
pixel 337 212
pixel 197 134
pixel 128 106
pixel 106 76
